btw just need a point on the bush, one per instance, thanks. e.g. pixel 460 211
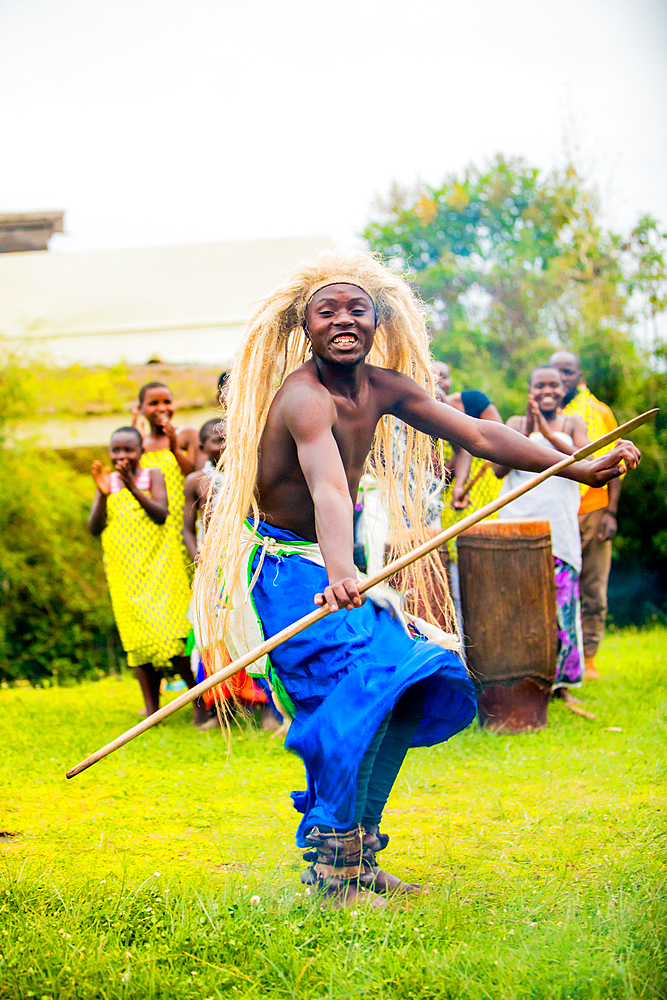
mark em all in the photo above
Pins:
pixel 55 614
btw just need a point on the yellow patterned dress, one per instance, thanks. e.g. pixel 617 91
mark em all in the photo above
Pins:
pixel 165 461
pixel 148 582
pixel 486 489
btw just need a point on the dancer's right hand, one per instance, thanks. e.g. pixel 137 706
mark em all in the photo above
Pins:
pixel 341 594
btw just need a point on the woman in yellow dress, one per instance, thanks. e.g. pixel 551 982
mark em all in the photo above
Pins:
pixel 472 482
pixel 173 452
pixel 145 572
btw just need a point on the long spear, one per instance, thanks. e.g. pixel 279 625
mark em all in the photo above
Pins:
pixel 287 633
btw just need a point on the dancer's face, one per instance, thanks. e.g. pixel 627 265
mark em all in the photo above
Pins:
pixel 341 324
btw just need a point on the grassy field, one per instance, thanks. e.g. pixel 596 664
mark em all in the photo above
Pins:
pixel 169 871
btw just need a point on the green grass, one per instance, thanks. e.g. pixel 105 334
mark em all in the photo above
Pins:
pixel 545 853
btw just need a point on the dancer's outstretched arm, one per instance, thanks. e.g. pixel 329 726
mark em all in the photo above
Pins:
pixel 497 442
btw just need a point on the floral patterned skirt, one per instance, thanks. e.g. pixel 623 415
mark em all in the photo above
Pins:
pixel 570 664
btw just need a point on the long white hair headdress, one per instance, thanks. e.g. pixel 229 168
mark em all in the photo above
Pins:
pixel 274 345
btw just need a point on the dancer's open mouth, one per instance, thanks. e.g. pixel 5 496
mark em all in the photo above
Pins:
pixel 344 339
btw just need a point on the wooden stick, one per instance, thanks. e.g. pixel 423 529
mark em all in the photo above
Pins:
pixel 287 633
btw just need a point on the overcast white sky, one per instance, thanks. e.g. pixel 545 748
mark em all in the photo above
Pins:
pixel 183 121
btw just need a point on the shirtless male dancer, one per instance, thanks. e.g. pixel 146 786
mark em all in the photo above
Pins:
pixel 361 687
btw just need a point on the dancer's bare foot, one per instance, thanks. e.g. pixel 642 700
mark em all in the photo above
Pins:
pixel 590 671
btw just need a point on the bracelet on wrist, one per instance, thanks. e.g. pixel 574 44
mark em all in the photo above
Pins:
pixel 612 512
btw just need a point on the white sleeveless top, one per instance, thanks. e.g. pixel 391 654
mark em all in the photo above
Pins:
pixel 556 501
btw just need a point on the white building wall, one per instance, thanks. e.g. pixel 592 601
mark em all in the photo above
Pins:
pixel 181 304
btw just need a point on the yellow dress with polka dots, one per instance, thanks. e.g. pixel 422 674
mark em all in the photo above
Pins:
pixel 486 489
pixel 148 582
pixel 165 461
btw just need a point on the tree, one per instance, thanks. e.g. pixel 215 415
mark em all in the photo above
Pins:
pixel 512 264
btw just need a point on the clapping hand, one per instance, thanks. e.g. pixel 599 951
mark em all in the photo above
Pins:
pixel 538 418
pixel 125 472
pixel 530 415
pixel 101 477
pixel 543 426
pixel 169 431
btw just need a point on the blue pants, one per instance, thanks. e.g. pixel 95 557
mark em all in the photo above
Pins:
pixel 344 676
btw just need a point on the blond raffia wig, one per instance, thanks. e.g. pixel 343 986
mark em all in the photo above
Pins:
pixel 275 345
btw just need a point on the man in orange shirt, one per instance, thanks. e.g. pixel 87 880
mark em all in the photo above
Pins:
pixel 597 513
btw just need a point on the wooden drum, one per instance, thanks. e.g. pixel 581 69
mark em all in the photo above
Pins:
pixel 508 600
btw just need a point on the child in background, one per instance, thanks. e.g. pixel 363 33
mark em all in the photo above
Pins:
pixel 173 452
pixel 223 388
pixel 197 486
pixel 556 500
pixel 146 576
pixel 156 405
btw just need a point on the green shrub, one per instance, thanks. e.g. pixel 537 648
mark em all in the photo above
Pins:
pixel 56 623
pixel 55 614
